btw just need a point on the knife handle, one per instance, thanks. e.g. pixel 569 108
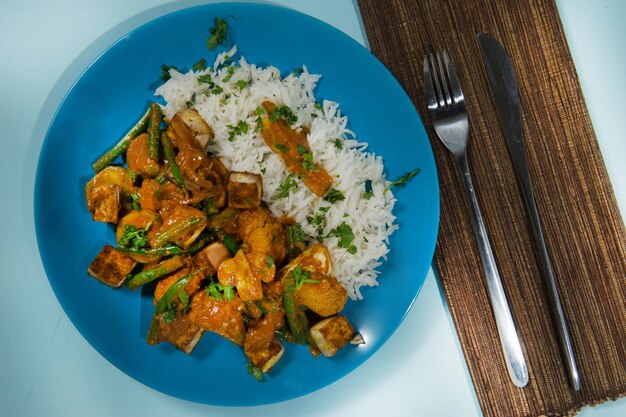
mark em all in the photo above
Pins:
pixel 554 300
pixel 513 355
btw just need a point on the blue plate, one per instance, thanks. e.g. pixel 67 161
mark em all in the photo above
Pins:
pixel 107 99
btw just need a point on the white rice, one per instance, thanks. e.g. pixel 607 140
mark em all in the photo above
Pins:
pixel 352 167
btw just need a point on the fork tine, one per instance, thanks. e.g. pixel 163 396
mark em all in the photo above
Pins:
pixel 431 100
pixel 438 94
pixel 455 87
pixel 444 81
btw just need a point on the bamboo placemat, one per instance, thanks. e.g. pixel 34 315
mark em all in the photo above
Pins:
pixel 581 219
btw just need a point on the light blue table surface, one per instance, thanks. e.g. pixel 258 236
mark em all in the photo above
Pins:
pixel 48 369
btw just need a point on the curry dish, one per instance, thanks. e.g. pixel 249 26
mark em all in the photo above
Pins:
pixel 218 258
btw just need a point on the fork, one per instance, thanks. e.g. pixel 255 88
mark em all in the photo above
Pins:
pixel 446 105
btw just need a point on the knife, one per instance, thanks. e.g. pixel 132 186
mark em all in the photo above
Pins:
pixel 506 96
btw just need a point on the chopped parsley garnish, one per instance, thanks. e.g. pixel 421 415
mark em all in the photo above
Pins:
pixel 218 33
pixel 338 143
pixel 270 262
pixel 319 222
pixel 229 73
pixel 206 78
pixel 281 147
pixel 200 65
pixel 220 292
pixel 169 316
pixel 135 203
pixel 239 129
pixel 324 209
pixel 165 71
pixel 403 180
pixel 345 235
pixel 318 106
pixel 295 234
pixel 259 122
pixel 333 195
pixel 301 277
pixel 255 372
pixel 307 162
pixel 285 113
pixel 218 90
pixel 368 194
pixel 134 238
pixel 302 149
pixel 241 84
pixel 286 186
pixel 298 70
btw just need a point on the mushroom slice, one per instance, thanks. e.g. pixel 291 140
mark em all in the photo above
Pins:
pixel 332 334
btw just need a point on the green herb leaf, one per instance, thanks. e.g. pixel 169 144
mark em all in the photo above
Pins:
pixel 367 195
pixel 220 292
pixel 298 70
pixel 319 222
pixel 135 203
pixel 338 143
pixel 333 195
pixel 206 79
pixel 239 129
pixel 281 147
pixel 285 187
pixel 270 262
pixel 403 180
pixel 307 162
pixel 241 84
pixel 345 235
pixel 134 238
pixel 218 33
pixel 200 65
pixel 295 234
pixel 301 277
pixel 255 372
pixel 285 113
pixel 302 149
pixel 169 316
pixel 165 71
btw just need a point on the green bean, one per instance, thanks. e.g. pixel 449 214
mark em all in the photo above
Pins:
pixel 110 156
pixel 295 317
pixel 169 249
pixel 154 131
pixel 178 228
pixel 167 266
pixel 172 293
pixel 169 155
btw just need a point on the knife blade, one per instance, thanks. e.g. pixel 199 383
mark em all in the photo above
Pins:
pixel 506 96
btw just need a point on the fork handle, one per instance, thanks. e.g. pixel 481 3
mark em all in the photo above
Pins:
pixel 513 355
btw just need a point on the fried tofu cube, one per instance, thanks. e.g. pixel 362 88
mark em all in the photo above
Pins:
pixel 104 203
pixel 181 332
pixel 265 359
pixel 244 190
pixel 111 266
pixel 332 334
